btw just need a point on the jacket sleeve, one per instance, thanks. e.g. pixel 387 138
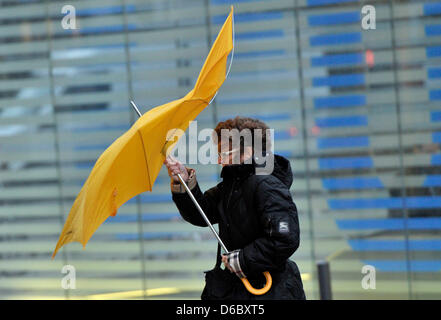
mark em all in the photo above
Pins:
pixel 207 200
pixel 281 236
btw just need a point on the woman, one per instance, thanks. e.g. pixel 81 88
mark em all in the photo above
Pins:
pixel 256 215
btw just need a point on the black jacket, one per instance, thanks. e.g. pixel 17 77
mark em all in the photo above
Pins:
pixel 256 214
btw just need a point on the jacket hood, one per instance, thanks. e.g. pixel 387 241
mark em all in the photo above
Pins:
pixel 282 170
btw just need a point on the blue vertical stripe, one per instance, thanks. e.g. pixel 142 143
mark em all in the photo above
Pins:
pixel 435 94
pixel 389 224
pixel 339 101
pixel 345 163
pixel 337 59
pixel 281 135
pixel 435 116
pixel 436 159
pixel 384 203
pixel 351 183
pixel 334 18
pixel 335 39
pixel 342 142
pixel 255 35
pixel 433 52
pixel 432 8
pixel 326 2
pixel 434 72
pixel 432 180
pixel 436 137
pixel 259 54
pixel 350 121
pixel 395 245
pixel 433 30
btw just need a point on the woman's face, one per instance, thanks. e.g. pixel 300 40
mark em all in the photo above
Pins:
pixel 227 156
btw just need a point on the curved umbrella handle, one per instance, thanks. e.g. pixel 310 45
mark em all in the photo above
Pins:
pixel 258 292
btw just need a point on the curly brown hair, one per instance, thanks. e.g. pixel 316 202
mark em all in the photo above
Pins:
pixel 241 123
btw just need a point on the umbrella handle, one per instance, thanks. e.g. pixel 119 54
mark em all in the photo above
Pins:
pixel 258 292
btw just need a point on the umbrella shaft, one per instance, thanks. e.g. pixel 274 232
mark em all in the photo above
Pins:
pixel 202 212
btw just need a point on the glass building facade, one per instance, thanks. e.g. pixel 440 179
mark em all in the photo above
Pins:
pixel 356 110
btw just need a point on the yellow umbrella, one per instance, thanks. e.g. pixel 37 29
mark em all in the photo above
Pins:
pixel 130 165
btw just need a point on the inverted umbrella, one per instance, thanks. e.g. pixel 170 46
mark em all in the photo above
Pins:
pixel 131 164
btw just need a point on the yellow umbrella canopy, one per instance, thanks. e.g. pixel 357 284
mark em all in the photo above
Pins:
pixel 130 165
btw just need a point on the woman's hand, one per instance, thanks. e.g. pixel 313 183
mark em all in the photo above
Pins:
pixel 226 263
pixel 174 167
pixel 231 262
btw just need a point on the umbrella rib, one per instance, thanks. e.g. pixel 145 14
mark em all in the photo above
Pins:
pixel 145 158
